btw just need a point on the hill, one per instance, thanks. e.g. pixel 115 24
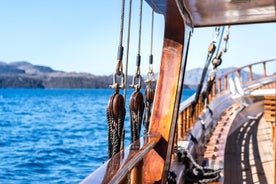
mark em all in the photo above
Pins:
pixel 23 74
pixel 193 76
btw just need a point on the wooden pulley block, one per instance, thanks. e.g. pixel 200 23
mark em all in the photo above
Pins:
pixel 149 93
pixel 115 118
pixel 116 105
pixel 136 108
pixel 137 102
pixel 212 48
pixel 216 62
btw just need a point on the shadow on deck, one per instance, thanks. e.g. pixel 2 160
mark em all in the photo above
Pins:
pixel 249 154
pixel 242 145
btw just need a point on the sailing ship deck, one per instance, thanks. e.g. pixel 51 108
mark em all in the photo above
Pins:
pixel 239 136
pixel 247 157
pixel 172 124
pixel 242 144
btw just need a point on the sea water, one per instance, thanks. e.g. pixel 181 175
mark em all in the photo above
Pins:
pixel 54 136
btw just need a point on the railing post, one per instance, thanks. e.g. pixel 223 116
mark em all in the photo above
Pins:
pixel 225 83
pixel 196 110
pixel 250 73
pixel 180 126
pixel 264 64
pixel 185 121
pixel 201 105
pixel 214 93
pixel 194 116
pixel 136 173
pixel 239 73
pixel 219 86
pixel 188 118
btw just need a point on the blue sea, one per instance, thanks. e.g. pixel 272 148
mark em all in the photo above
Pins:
pixel 54 136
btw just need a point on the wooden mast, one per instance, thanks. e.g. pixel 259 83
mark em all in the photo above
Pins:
pixel 168 94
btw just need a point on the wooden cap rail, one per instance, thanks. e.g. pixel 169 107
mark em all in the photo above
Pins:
pixel 118 168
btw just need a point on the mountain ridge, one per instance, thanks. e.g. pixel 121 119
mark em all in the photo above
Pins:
pixel 23 74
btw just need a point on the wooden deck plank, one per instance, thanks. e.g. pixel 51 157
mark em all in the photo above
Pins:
pixel 215 148
pixel 251 161
pixel 247 158
pixel 266 154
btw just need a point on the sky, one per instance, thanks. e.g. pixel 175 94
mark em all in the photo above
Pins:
pixel 83 36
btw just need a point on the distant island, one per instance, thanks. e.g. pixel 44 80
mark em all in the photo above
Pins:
pixel 23 74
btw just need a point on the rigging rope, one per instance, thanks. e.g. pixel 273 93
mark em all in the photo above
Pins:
pixel 115 111
pixel 149 92
pixel 119 68
pixel 211 50
pixel 122 23
pixel 140 26
pixel 136 106
pixel 216 62
pixel 128 41
pixel 151 34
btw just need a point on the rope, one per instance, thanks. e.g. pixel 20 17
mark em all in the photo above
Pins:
pixel 195 172
pixel 151 45
pixel 220 40
pixel 115 112
pixel 225 39
pixel 119 68
pixel 128 41
pixel 140 26
pixel 149 92
pixel 136 105
pixel 138 58
pixel 222 48
pixel 122 23
pixel 211 50
pixel 150 76
pixel 151 34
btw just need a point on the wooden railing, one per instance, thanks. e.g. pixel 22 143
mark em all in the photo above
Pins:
pixel 186 120
pixel 222 82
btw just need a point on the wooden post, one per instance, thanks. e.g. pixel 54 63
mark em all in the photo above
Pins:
pixel 250 73
pixel 214 90
pixel 225 83
pixel 167 95
pixel 219 86
pixel 136 174
pixel 188 112
pixel 239 73
pixel 180 126
pixel 187 122
pixel 264 64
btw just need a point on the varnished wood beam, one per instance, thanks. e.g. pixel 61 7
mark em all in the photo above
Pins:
pixel 168 94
